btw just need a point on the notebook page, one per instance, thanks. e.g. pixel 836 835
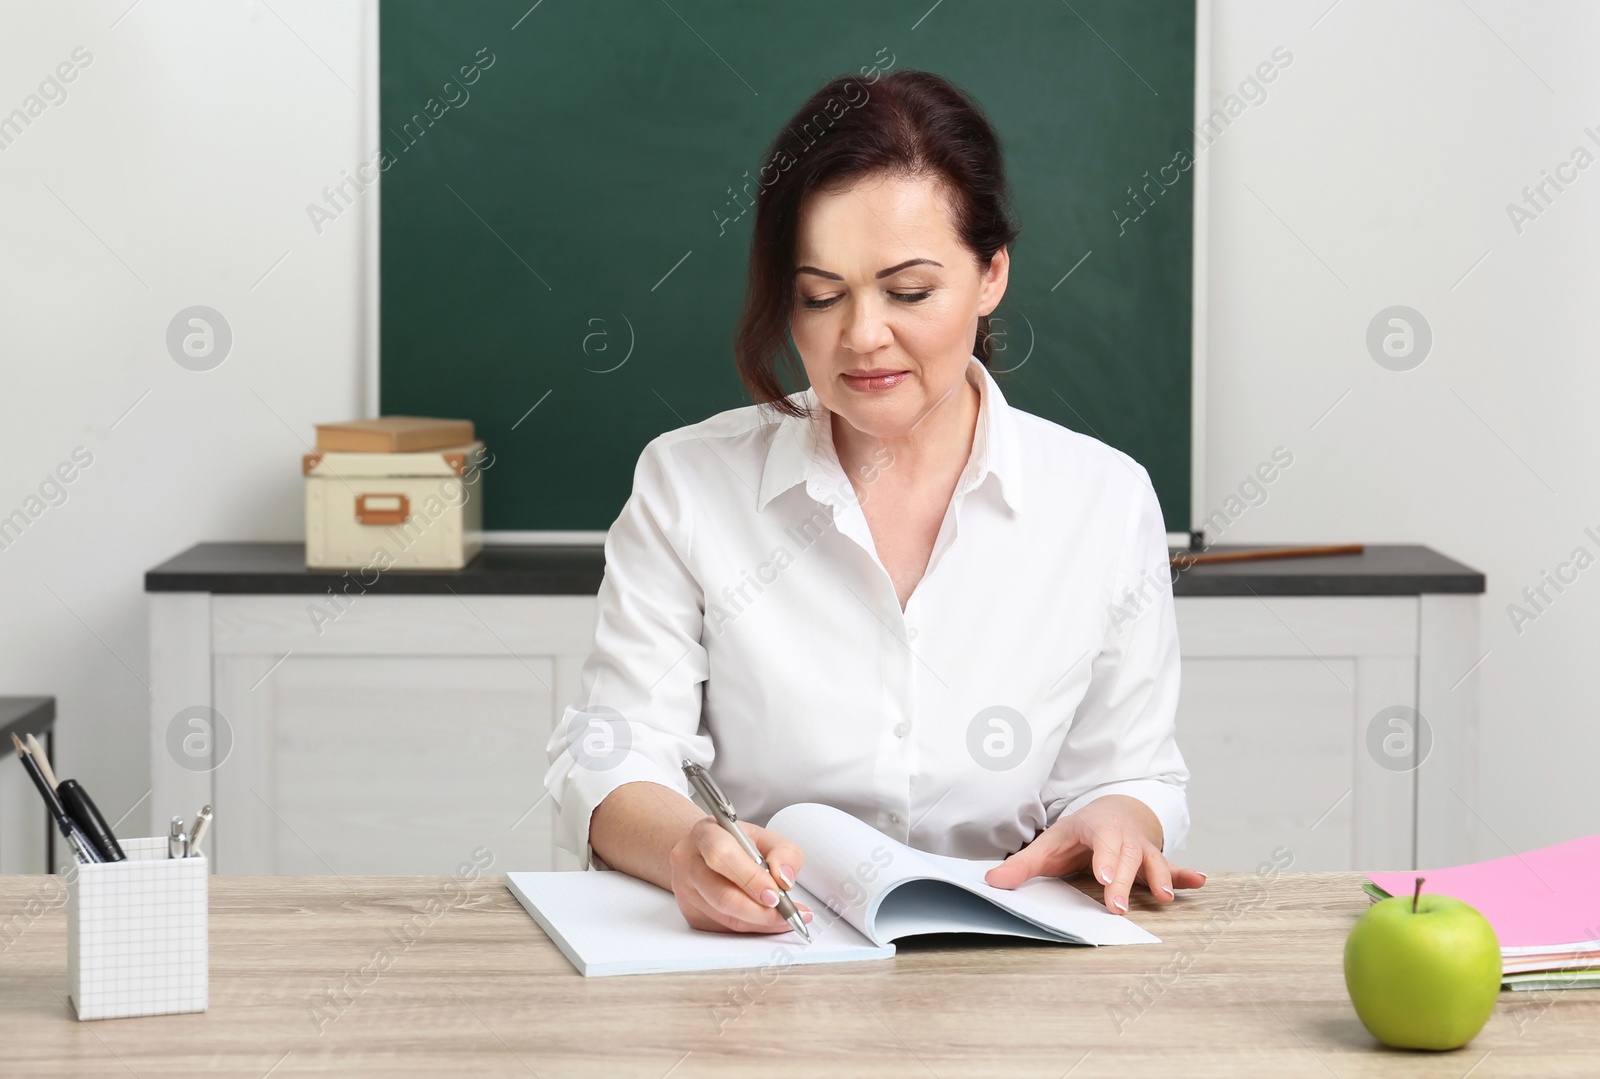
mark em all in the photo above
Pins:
pixel 1544 897
pixel 610 923
pixel 1045 901
pixel 858 870
pixel 934 906
pixel 849 864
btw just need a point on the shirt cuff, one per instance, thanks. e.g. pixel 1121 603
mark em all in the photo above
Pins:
pixel 584 787
pixel 1168 802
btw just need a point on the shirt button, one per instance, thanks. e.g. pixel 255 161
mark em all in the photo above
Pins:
pixel 900 730
pixel 911 633
pixel 894 818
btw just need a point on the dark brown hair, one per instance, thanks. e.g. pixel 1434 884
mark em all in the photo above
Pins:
pixel 908 124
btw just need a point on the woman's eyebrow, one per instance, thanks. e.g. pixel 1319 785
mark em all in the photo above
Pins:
pixel 881 273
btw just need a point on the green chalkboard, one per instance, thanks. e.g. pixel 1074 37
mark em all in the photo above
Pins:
pixel 557 185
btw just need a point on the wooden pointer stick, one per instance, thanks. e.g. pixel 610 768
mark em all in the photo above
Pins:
pixel 1184 558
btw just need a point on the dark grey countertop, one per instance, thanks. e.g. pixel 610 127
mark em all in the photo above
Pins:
pixel 279 568
pixel 530 569
pixel 1380 570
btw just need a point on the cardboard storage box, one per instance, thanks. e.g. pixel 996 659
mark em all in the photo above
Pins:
pixel 383 511
pixel 393 434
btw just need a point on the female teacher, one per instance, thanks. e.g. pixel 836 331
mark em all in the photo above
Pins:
pixel 892 592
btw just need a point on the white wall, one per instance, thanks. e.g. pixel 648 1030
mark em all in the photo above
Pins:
pixel 1388 151
pixel 1381 162
pixel 181 162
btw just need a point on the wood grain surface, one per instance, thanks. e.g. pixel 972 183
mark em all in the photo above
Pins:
pixel 431 976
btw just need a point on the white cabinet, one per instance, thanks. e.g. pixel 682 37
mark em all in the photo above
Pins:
pixel 410 731
pixel 1298 719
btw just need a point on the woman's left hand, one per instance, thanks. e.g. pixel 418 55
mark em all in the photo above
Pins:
pixel 1118 835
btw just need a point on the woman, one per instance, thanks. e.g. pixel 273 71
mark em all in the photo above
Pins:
pixel 891 592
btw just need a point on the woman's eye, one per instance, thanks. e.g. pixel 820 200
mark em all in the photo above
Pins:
pixel 904 297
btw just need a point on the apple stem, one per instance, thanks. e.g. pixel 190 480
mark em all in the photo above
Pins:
pixel 1417 894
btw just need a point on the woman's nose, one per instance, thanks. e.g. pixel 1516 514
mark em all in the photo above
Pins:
pixel 866 330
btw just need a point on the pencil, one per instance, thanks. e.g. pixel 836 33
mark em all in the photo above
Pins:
pixel 42 761
pixel 82 849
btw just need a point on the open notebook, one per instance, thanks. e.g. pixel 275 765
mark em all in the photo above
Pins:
pixel 1542 904
pixel 864 889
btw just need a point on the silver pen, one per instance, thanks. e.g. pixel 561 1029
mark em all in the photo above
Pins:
pixel 177 840
pixel 201 823
pixel 723 811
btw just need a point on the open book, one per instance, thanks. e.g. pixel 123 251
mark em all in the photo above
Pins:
pixel 865 890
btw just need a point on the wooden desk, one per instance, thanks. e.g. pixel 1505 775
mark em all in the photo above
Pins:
pixel 480 991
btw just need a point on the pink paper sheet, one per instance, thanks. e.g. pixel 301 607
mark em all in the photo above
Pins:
pixel 1542 897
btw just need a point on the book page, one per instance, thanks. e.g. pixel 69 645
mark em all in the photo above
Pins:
pixel 858 872
pixel 849 864
pixel 935 906
pixel 1048 902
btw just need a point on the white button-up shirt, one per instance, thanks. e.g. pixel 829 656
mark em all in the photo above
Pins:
pixel 747 623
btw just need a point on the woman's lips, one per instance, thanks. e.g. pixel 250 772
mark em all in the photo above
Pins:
pixel 874 380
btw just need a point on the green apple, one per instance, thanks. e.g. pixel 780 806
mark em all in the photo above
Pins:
pixel 1423 971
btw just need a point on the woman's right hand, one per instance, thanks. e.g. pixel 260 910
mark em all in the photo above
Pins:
pixel 719 888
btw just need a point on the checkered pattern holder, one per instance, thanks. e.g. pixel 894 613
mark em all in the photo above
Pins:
pixel 136 933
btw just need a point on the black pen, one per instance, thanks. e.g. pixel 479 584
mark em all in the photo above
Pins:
pixel 81 848
pixel 81 808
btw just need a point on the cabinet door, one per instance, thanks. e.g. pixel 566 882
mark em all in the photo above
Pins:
pixel 388 765
pixel 399 735
pixel 1270 758
pixel 1282 704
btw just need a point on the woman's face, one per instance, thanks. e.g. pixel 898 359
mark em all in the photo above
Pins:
pixel 886 303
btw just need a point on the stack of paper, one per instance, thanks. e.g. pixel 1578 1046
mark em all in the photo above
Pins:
pixel 1544 906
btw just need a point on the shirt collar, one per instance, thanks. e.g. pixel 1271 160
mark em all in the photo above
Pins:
pixel 802 449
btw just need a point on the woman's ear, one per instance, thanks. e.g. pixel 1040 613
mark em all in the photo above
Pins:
pixel 992 282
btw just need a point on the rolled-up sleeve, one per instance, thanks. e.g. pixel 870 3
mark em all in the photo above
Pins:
pixel 1122 739
pixel 637 711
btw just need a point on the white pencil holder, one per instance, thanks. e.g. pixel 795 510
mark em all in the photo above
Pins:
pixel 136 933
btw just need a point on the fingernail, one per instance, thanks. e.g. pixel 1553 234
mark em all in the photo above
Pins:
pixel 1202 876
pixel 1120 903
pixel 1168 893
pixel 787 875
pixel 769 898
pixel 1105 875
